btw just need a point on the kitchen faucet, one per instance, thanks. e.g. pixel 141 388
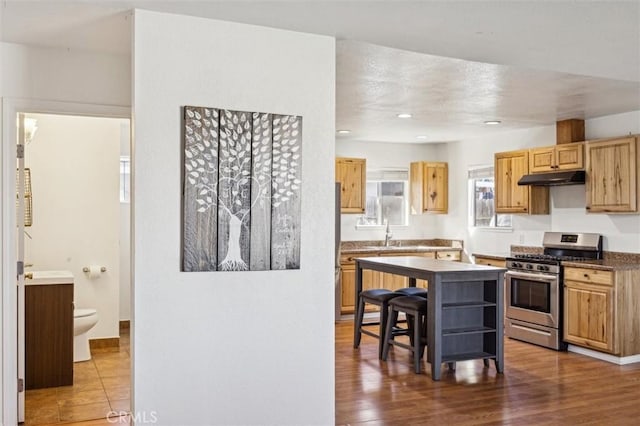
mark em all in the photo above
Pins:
pixel 387 234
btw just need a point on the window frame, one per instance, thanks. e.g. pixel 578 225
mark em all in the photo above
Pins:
pixel 476 173
pixel 387 175
pixel 124 188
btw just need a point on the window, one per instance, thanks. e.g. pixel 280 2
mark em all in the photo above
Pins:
pixel 386 195
pixel 481 195
pixel 125 179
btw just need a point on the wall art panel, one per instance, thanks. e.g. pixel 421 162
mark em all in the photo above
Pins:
pixel 200 217
pixel 241 190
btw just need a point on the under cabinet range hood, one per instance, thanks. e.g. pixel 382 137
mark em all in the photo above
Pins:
pixel 573 177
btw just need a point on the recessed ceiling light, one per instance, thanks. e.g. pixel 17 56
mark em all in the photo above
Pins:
pixel 492 122
pixel 421 137
pixel 404 115
pixel 344 131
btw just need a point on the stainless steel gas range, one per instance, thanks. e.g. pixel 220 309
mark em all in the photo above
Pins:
pixel 534 288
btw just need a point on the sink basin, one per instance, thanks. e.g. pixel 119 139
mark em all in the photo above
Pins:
pixel 49 277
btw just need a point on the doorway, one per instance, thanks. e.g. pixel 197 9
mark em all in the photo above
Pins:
pixel 79 222
pixel 57 218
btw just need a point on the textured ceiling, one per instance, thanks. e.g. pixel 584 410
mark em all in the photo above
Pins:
pixel 555 59
pixel 451 98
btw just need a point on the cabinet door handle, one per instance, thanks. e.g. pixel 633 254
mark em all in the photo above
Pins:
pixel 586 275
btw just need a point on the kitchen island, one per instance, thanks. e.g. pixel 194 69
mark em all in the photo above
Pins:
pixel 465 307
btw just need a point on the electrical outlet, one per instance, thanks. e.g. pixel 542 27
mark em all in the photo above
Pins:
pixel 521 238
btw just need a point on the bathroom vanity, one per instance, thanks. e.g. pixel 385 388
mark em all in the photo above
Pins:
pixel 48 329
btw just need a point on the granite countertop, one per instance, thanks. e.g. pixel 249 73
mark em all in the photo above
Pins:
pixel 495 256
pixel 399 246
pixel 613 261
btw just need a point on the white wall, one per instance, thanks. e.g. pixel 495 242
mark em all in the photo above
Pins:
pixel 389 155
pixel 65 75
pixel 622 232
pixel 230 347
pixel 74 171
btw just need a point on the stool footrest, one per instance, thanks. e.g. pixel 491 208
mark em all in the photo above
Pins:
pixel 369 333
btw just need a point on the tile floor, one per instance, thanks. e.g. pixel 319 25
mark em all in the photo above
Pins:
pixel 101 387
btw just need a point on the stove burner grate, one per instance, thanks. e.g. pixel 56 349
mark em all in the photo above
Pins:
pixel 529 256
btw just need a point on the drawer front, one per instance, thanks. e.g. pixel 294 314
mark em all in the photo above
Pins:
pixel 591 276
pixel 348 259
pixel 448 255
pixel 491 262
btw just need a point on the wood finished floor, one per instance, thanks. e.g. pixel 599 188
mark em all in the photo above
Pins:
pixel 539 386
pixel 101 388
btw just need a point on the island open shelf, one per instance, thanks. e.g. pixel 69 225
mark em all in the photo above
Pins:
pixel 465 307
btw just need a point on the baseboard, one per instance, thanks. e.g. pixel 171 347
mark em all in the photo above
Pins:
pixel 124 325
pixel 109 342
pixel 619 360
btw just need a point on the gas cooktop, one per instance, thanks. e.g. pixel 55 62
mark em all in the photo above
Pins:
pixel 547 257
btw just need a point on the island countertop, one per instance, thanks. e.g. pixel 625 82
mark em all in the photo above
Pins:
pixel 422 265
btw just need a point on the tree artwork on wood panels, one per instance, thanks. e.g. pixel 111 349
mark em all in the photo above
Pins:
pixel 241 193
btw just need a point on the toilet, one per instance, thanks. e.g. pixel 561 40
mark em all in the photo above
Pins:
pixel 83 321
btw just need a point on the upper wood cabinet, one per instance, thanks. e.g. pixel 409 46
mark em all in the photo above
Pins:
pixel 612 175
pixel 429 184
pixel 511 197
pixel 351 173
pixel 555 158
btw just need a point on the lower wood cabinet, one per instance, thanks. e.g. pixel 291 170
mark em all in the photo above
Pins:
pixel 601 310
pixel 376 279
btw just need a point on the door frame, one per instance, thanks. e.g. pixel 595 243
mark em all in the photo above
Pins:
pixel 8 267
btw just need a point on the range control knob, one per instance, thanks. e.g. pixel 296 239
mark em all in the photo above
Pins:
pixel 543 268
pixel 529 266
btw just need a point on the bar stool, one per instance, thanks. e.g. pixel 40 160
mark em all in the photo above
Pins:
pixel 379 297
pixel 415 306
pixel 408 291
pixel 413 291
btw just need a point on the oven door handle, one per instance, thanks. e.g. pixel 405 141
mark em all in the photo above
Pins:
pixel 534 277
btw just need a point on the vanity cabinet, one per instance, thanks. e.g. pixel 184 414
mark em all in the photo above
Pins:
pixel 511 197
pixel 601 309
pixel 612 175
pixel 48 335
pixel 557 158
pixel 429 187
pixel 351 173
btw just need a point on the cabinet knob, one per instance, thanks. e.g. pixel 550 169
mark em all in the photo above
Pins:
pixel 586 275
